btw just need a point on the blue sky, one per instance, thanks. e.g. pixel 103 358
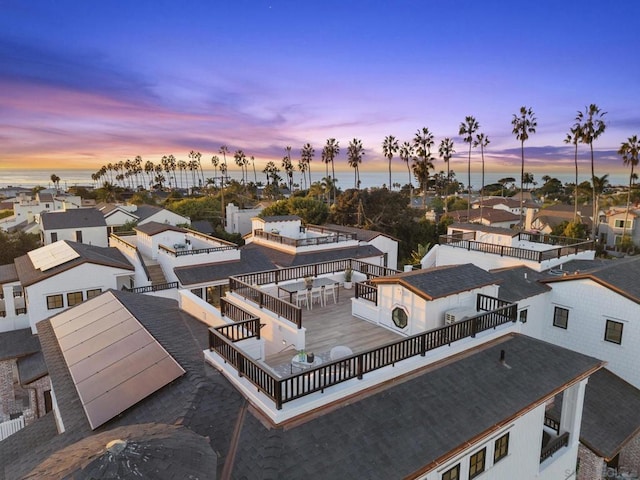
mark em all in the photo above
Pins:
pixel 85 83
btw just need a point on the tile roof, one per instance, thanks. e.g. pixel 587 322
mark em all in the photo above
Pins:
pixel 153 228
pixel 396 432
pixel 611 414
pixel 107 256
pixel 18 343
pixel 31 368
pixel 75 218
pixel 251 260
pixel 618 275
pixel 285 259
pixel 518 283
pixel 437 282
pixel 8 273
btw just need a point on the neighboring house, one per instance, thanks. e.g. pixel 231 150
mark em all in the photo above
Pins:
pixel 239 220
pixel 481 411
pixel 58 276
pixel 611 230
pixel 546 219
pixel 82 225
pixel 27 208
pixel 119 215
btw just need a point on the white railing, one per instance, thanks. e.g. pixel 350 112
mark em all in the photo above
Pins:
pixel 11 427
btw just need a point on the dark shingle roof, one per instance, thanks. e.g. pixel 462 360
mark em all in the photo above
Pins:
pixel 107 256
pixel 284 259
pixel 145 211
pixel 251 260
pixel 153 228
pixel 18 343
pixel 361 233
pixel 437 282
pixel 494 215
pixel 31 368
pixel 611 414
pixel 281 218
pixel 485 228
pixel 618 275
pixel 518 283
pixel 76 218
pixel 396 432
pixel 8 273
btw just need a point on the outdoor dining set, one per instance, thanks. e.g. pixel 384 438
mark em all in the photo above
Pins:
pixel 311 291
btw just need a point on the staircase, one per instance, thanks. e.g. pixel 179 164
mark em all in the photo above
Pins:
pixel 156 274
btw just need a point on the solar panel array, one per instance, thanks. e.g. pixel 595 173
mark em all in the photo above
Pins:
pixel 113 360
pixel 52 255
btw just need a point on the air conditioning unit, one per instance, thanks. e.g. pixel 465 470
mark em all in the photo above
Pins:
pixel 458 314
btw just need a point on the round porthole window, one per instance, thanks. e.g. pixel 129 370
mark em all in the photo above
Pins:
pixel 399 317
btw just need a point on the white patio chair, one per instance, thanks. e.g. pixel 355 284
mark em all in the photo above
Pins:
pixel 316 296
pixel 302 298
pixel 339 352
pixel 330 291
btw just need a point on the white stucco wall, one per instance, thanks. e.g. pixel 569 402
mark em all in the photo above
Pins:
pixel 96 236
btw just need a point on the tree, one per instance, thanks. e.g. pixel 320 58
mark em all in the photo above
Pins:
pixel 467 129
pixel 355 152
pixel 55 179
pixel 504 181
pixel 223 150
pixel 255 175
pixel 287 166
pixel 482 141
pixel 524 124
pixel 423 141
pixel 592 125
pixel 629 151
pixel 446 151
pixel 406 153
pixel 332 149
pixel 306 155
pixel 599 185
pixel 215 161
pixel 527 179
pixel 240 159
pixel 389 147
pixel 573 137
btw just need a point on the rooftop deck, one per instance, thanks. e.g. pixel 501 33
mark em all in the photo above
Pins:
pixel 332 325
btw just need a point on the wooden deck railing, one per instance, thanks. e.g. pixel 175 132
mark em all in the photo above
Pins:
pixel 184 252
pixel 485 303
pixel 241 330
pixel 367 291
pixel 554 445
pixel 151 288
pixel 282 390
pixel 234 312
pixel 280 307
pixel 334 237
pixel 552 424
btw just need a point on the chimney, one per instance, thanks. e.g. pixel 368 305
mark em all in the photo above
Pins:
pixel 503 362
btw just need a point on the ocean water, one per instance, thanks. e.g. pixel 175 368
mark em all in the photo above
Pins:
pixel 345 179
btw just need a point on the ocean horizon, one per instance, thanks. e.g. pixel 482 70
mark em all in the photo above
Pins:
pixel 345 179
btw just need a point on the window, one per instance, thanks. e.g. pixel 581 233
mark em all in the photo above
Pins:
pixel 476 463
pixel 54 237
pixel 54 301
pixel 501 448
pixel 197 292
pixel 399 317
pixel 613 332
pixel 93 293
pixel 523 316
pixel 560 317
pixel 452 473
pixel 620 223
pixel 74 298
pixel 79 236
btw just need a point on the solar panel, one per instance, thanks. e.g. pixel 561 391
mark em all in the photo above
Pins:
pixel 52 255
pixel 113 360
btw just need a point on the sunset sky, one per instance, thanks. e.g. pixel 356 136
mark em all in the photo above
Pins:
pixel 84 83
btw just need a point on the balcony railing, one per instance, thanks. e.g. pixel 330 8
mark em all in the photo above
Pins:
pixel 20 311
pixel 552 424
pixel 234 312
pixel 196 251
pixel 516 252
pixel 333 237
pixel 282 390
pixel 554 445
pixel 241 330
pixel 151 288
pixel 367 291
pixel 280 307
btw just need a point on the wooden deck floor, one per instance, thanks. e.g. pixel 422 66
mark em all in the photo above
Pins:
pixel 334 325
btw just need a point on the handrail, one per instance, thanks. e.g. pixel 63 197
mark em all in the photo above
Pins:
pixel 552 424
pixel 282 390
pixel 195 233
pixel 241 330
pixel 198 251
pixel 234 312
pixel 367 291
pixel 144 265
pixel 554 445
pixel 151 288
pixel 276 305
pixel 118 238
pixel 335 237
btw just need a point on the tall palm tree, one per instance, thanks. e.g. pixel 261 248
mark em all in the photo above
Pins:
pixel 332 147
pixel 302 166
pixel 524 123
pixel 467 129
pixel 629 151
pixel 389 147
pixel 223 174
pixel 240 158
pixel 306 155
pixel 287 166
pixel 406 153
pixel 446 151
pixel 592 124
pixel 573 137
pixel 215 161
pixel 423 141
pixel 481 141
pixel 253 164
pixel 149 168
pixel 224 150
pixel 355 152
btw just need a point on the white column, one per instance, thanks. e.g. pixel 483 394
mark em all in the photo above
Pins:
pixel 571 417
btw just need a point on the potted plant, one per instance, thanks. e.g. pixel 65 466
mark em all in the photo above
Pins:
pixel 348 273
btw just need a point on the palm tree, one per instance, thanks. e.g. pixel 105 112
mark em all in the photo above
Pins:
pixel 389 147
pixel 287 166
pixel 446 151
pixel 306 155
pixel 355 152
pixel 255 176
pixel 423 141
pixel 149 168
pixel 224 150
pixel 592 125
pixel 55 179
pixel 629 151
pixel 523 124
pixel 599 184
pixel 302 166
pixel 467 129
pixel 482 141
pixel 573 137
pixel 332 149
pixel 215 161
pixel 406 153
pixel 421 172
pixel 240 159
pixel 223 174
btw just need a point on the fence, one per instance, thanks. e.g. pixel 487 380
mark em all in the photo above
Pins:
pixel 151 288
pixel 10 427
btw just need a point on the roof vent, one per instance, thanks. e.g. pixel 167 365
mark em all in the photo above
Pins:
pixel 503 362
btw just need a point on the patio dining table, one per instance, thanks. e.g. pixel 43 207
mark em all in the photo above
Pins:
pixel 292 288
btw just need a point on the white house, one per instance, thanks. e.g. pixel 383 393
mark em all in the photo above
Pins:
pixel 119 215
pixel 82 225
